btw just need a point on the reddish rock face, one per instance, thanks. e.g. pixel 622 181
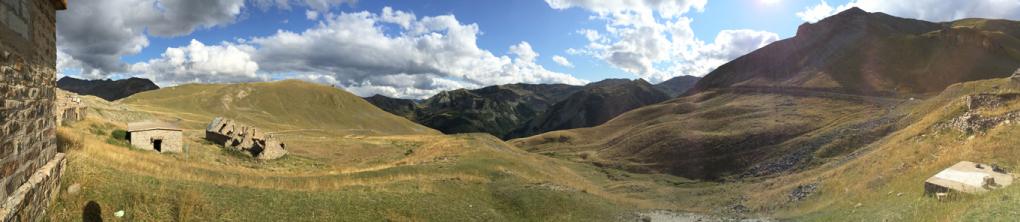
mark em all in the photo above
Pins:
pixel 875 54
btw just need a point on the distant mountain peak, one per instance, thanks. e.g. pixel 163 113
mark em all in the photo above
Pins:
pixel 105 88
pixel 876 54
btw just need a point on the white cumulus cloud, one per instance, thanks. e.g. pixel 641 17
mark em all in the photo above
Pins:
pixel 428 55
pixel 815 13
pixel 653 39
pixel 311 15
pixel 562 61
pixel 197 62
pixel 424 56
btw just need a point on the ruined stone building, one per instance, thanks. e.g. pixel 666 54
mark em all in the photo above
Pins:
pixel 30 166
pixel 156 136
pixel 69 108
pixel 245 138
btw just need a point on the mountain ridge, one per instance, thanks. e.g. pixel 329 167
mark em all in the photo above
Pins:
pixel 109 90
pixel 876 54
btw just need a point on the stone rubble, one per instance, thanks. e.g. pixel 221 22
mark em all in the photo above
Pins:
pixel 972 121
pixel 245 138
pixel 801 192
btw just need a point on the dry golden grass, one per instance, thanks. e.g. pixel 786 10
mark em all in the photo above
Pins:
pixel 401 169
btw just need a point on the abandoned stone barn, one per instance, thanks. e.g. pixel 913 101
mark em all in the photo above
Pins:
pixel 156 136
pixel 30 164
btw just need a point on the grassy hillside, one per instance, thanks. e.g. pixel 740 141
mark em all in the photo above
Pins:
pixel 276 106
pixel 884 181
pixel 855 172
pixel 335 174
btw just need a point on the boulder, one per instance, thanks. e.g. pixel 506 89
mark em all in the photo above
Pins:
pixel 245 138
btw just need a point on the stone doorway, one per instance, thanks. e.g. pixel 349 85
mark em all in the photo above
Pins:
pixel 157 144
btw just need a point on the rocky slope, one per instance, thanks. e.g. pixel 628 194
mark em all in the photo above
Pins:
pixel 677 85
pixel 597 103
pixel 109 90
pixel 877 54
pixel 396 106
pixel 496 110
pixel 517 110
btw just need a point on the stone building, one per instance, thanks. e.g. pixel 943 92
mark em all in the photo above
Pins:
pixel 69 108
pixel 156 136
pixel 30 166
pixel 245 138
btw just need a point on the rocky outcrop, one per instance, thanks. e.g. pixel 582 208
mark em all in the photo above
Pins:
pixel 400 107
pixel 597 103
pixel 972 121
pixel 109 90
pixel 245 138
pixel 496 110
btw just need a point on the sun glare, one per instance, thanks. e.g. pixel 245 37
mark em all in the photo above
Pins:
pixel 770 2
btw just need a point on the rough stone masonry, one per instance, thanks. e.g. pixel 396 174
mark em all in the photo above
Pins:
pixel 245 138
pixel 30 165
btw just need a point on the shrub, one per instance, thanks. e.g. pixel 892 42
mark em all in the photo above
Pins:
pixel 119 134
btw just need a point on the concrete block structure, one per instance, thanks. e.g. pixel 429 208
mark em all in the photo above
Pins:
pixel 156 136
pixel 967 177
pixel 30 165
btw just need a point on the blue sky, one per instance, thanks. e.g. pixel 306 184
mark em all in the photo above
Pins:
pixel 485 42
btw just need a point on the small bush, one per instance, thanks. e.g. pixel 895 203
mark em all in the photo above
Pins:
pixel 408 152
pixel 119 134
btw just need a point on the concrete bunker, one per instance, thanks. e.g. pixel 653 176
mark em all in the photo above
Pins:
pixel 967 177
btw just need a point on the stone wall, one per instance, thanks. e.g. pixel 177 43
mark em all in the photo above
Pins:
pixel 69 108
pixel 245 138
pixel 29 164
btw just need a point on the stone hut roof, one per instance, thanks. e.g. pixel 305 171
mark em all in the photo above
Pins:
pixel 151 125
